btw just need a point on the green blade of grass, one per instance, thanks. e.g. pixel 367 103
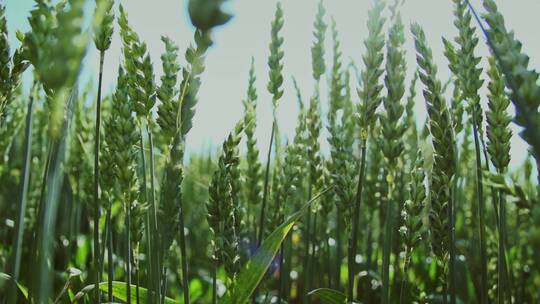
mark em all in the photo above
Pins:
pixel 45 230
pixel 253 271
pixel 119 291
pixel 328 296
pixel 6 277
pixel 21 208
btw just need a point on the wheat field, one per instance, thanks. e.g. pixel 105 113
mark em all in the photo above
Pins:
pixel 103 201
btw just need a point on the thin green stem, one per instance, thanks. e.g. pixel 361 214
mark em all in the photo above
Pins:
pixel 152 196
pixel 262 218
pixel 452 241
pixel 306 264
pixel 356 217
pixel 369 255
pixel 312 256
pixel 164 286
pixel 404 276
pixel 281 286
pixel 138 282
pixel 183 252
pixel 265 190
pixel 128 252
pixel 502 268
pixel 328 259
pixel 214 283
pixel 40 210
pixel 153 260
pixel 339 227
pixel 110 265
pixel 387 246
pixel 445 289
pixel 288 267
pixel 481 213
pixel 152 233
pixel 350 269
pixel 97 136
pixel 50 203
pixel 21 208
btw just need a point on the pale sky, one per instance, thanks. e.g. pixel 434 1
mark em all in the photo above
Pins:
pixel 248 34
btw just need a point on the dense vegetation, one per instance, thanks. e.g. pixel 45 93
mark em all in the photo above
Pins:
pixel 393 212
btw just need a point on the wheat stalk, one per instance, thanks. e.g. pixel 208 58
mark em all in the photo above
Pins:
pixel 370 99
pixel 274 86
pixel 411 215
pixel 253 171
pixel 223 208
pixel 102 41
pixel 393 129
pixel 522 81
pixel 123 145
pixel 440 127
pixel 499 135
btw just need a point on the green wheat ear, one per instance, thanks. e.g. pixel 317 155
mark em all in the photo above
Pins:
pixel 175 119
pixel 341 165
pixel 392 125
pixel 123 140
pixel 440 127
pixel 498 119
pixel 253 171
pixel 5 72
pixel 275 60
pixel 104 29
pixel 466 68
pixel 370 92
pixel 168 91
pixel 139 69
pixel 55 47
pixel 457 96
pixel 317 50
pixel 519 78
pixel 223 207
pixel 11 69
pixel 412 213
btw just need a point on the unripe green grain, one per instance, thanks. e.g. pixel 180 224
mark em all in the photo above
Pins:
pixel 104 29
pixel 412 229
pixel 498 120
pixel 317 49
pixel 168 91
pixel 393 129
pixel 223 206
pixel 275 60
pixel 440 127
pixel 519 78
pixel 253 170
pixel 498 147
pixel 370 92
pixel 457 106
